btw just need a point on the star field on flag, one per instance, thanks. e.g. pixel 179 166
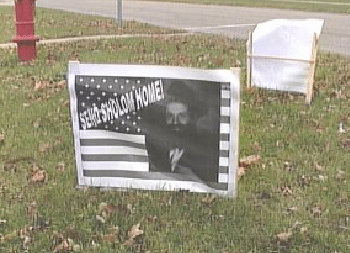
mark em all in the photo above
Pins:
pixel 110 139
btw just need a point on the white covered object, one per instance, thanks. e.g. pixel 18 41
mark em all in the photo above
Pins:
pixel 286 39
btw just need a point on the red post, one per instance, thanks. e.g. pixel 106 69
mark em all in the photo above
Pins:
pixel 25 38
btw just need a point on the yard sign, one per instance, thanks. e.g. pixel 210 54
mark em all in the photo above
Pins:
pixel 155 127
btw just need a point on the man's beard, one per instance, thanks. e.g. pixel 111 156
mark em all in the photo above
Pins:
pixel 178 129
pixel 180 134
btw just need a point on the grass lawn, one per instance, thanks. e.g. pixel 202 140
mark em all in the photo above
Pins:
pixel 336 6
pixel 52 24
pixel 297 199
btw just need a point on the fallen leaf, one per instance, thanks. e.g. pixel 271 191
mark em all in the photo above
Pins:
pixel 41 85
pixel 61 84
pixel 32 210
pixel 63 247
pixel 297 225
pixel 304 180
pixel 292 209
pixel 10 237
pixel 100 219
pixel 2 138
pixel 284 237
pixel 77 248
pixel 58 239
pixel 38 177
pixel 316 212
pixel 107 210
pixel 249 160
pixel 285 191
pixel 60 167
pixel 26 105
pixel 321 178
pixel 319 168
pixel 208 199
pixel 256 147
pixel 25 236
pixel 279 143
pixel 304 231
pixel 340 175
pixel 131 209
pixel 50 58
pixel 58 140
pixel 241 172
pixel 345 143
pixel 72 233
pixel 288 166
pixel 44 147
pixel 65 103
pixel 132 234
pixel 112 237
pixel 135 231
pixel 341 129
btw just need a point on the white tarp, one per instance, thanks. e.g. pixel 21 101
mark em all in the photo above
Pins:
pixel 286 39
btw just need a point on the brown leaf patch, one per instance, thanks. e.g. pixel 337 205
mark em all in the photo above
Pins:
pixel 60 167
pixel 133 233
pixel 345 143
pixel 58 140
pixel 60 244
pixel 208 199
pixel 284 237
pixel 112 237
pixel 65 103
pixel 107 210
pixel 286 191
pixel 10 165
pixel 340 176
pixel 44 147
pixel 37 176
pixel 319 168
pixel 304 180
pixel 249 160
pixel 316 211
pixel 2 138
pixel 241 172
pixel 32 210
pixel 26 237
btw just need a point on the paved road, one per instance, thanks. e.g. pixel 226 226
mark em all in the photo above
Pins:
pixel 335 36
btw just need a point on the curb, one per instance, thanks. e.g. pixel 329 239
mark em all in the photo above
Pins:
pixel 97 37
pixel 7 3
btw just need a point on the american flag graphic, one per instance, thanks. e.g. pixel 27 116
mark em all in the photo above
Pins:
pixel 110 142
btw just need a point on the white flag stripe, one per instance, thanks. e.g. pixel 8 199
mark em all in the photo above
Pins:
pixel 103 134
pixel 225 111
pixel 224 128
pixel 225 93
pixel 223 178
pixel 130 166
pixel 112 150
pixel 224 145
pixel 223 161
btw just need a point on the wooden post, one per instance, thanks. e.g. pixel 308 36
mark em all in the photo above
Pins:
pixel 311 74
pixel 249 60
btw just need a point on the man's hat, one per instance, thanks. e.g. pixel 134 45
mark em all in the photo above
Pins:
pixel 178 91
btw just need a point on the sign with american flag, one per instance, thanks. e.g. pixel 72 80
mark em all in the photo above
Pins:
pixel 155 127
